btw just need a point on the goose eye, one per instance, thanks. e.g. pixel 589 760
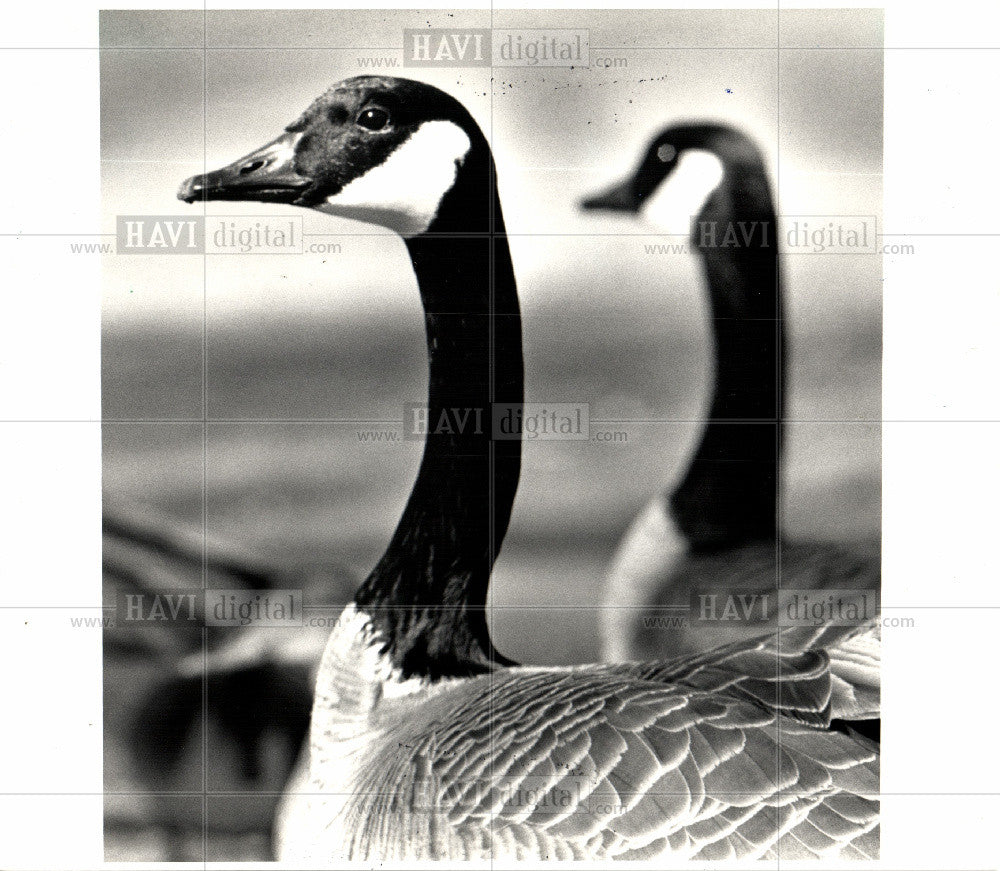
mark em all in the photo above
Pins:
pixel 373 119
pixel 666 152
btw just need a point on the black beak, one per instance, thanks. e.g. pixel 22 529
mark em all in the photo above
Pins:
pixel 266 175
pixel 617 198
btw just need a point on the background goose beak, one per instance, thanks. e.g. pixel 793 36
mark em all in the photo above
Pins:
pixel 266 175
pixel 617 198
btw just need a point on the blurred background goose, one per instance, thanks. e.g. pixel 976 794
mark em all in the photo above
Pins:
pixel 705 563
pixel 192 702
pixel 426 742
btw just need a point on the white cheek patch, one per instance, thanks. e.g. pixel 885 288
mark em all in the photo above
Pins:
pixel 684 194
pixel 405 192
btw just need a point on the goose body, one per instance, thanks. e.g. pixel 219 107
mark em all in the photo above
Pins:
pixel 691 759
pixel 713 540
pixel 425 741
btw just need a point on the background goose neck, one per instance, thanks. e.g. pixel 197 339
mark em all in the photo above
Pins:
pixel 730 492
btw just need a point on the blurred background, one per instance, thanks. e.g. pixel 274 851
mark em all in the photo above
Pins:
pixel 240 392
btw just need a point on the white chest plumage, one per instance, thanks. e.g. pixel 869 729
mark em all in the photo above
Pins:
pixel 651 549
pixel 355 686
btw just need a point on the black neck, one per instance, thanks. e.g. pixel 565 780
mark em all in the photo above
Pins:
pixel 730 492
pixel 427 595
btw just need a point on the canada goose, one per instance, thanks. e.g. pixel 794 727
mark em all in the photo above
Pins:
pixel 190 702
pixel 426 742
pixel 714 537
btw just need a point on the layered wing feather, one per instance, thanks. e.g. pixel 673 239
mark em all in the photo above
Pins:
pixel 704 758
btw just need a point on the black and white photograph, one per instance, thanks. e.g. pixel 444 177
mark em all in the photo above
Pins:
pixel 501 436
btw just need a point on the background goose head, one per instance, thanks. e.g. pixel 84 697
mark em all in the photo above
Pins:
pixel 382 150
pixel 736 151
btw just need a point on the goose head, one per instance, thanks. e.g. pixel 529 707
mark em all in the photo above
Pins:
pixel 383 150
pixel 734 150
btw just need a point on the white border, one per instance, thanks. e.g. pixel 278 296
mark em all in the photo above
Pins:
pixel 941 477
